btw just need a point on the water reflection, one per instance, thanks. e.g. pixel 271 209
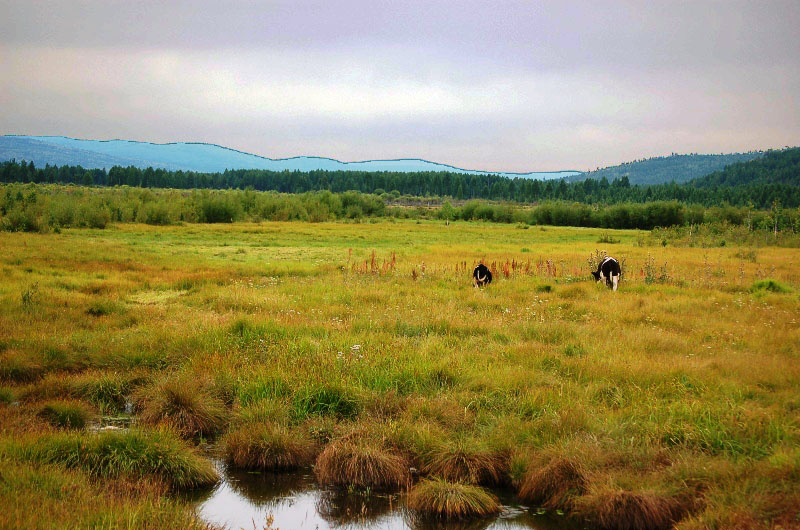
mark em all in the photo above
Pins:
pixel 294 501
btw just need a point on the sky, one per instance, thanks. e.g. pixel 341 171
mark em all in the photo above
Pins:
pixel 501 86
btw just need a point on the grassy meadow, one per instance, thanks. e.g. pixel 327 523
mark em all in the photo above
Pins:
pixel 364 350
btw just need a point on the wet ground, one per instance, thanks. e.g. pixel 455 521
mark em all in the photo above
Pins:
pixel 289 501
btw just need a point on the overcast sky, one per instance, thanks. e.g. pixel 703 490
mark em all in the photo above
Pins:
pixel 515 86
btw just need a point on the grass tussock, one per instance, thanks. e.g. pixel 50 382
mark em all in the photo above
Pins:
pixel 268 446
pixel 16 367
pixel 362 463
pixel 325 400
pixel 68 414
pixel 466 461
pixel 7 395
pixel 625 510
pixel 773 286
pixel 186 404
pixel 554 486
pixel 441 499
pixel 136 454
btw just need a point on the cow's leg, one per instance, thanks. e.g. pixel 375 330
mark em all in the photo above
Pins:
pixel 602 278
pixel 615 281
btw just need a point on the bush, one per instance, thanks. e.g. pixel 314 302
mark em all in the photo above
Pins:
pixel 452 500
pixel 67 414
pixel 185 403
pixel 267 446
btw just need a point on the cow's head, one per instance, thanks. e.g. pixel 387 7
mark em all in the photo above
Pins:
pixel 596 276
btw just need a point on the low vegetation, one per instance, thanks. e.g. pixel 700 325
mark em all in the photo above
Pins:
pixel 67 414
pixel 364 348
pixel 452 500
pixel 268 446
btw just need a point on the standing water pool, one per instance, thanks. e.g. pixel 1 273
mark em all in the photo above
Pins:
pixel 289 501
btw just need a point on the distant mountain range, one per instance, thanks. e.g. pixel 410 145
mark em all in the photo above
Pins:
pixel 205 158
pixel 663 169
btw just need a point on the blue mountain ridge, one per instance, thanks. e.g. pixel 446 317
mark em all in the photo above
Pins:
pixel 204 157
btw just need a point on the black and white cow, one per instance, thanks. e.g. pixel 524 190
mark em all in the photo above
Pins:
pixel 608 271
pixel 481 275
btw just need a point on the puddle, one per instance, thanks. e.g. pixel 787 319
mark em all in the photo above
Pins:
pixel 294 501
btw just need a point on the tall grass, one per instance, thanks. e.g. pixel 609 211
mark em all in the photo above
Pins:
pixel 452 500
pixel 268 446
pixel 186 404
pixel 157 454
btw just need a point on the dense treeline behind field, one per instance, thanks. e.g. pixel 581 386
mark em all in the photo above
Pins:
pixel 729 189
pixel 50 207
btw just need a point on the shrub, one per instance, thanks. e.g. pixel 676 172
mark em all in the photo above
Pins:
pixel 137 454
pixel 185 403
pixel 325 400
pixel 361 463
pixel 625 510
pixel 267 446
pixel 66 414
pixel 554 486
pixel 452 500
pixel 770 285
pixel 466 461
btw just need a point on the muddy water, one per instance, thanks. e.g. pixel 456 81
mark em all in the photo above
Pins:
pixel 294 501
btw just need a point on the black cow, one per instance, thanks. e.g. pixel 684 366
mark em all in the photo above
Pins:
pixel 481 275
pixel 608 271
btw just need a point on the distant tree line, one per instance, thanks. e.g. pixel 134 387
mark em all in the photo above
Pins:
pixel 457 186
pixel 51 207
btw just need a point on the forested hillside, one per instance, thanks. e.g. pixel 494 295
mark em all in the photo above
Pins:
pixel 664 169
pixel 775 167
pixel 427 184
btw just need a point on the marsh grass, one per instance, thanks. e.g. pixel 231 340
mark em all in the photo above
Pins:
pixel 625 510
pixel 16 367
pixel 468 461
pixel 157 454
pixel 437 498
pixel 268 446
pixel 325 400
pixel 770 285
pixel 554 486
pixel 184 403
pixel 7 396
pixel 360 462
pixel 67 414
pixel 542 362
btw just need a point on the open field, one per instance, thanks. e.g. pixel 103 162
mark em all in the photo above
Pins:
pixel 284 344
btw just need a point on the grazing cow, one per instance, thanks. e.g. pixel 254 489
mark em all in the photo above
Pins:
pixel 608 271
pixel 481 275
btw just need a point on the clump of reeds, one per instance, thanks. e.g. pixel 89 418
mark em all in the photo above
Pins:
pixel 362 463
pixel 107 390
pixel 325 400
pixel 452 500
pixel 137 454
pixel 185 403
pixel 268 446
pixel 68 414
pixel 466 461
pixel 625 510
pixel 554 486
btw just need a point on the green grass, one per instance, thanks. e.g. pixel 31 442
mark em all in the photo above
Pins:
pixel 135 454
pixel 452 500
pixel 684 388
pixel 67 414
